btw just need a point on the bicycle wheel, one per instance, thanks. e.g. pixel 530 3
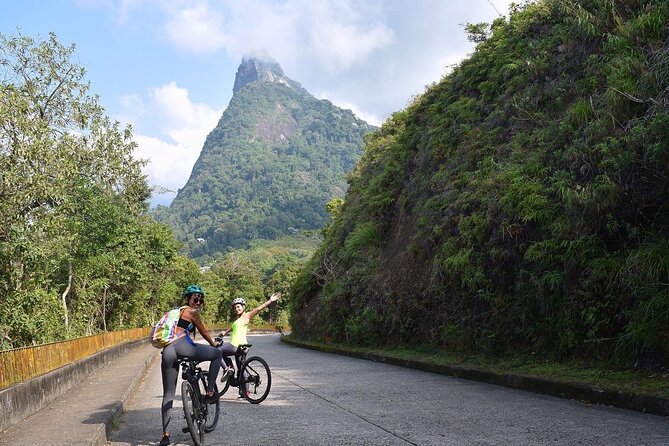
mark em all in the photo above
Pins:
pixel 256 380
pixel 192 413
pixel 211 410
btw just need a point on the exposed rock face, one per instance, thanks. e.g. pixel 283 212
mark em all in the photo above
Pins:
pixel 256 69
pixel 276 126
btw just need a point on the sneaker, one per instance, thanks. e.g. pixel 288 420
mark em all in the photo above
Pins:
pixel 165 441
pixel 227 373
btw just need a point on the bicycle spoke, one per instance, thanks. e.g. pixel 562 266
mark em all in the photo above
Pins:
pixel 192 412
pixel 256 380
pixel 212 410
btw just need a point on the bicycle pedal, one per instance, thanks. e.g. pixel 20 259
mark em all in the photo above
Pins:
pixel 184 430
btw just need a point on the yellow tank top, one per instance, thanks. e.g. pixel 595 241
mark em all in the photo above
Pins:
pixel 238 335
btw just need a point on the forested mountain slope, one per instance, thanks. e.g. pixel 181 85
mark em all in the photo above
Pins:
pixel 519 204
pixel 276 157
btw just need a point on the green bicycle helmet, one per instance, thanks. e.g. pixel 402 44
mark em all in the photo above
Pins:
pixel 190 289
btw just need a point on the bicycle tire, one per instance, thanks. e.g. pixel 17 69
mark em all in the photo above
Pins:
pixel 213 410
pixel 255 380
pixel 191 412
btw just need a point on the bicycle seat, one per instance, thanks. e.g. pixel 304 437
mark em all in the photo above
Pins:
pixel 245 346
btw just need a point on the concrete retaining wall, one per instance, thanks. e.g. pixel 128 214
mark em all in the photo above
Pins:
pixel 24 399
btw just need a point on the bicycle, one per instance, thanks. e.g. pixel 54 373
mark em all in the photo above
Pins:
pixel 200 416
pixel 257 380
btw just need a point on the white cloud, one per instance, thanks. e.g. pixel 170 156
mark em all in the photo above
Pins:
pixel 369 118
pixel 374 55
pixel 340 45
pixel 332 34
pixel 428 39
pixel 182 119
pixel 371 57
pixel 169 164
pixel 197 28
pixel 176 144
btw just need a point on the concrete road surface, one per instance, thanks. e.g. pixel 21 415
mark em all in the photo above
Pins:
pixel 326 399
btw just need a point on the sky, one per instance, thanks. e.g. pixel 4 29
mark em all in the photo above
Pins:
pixel 167 67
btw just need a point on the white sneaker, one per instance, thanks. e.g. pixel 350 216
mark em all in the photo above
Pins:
pixel 227 373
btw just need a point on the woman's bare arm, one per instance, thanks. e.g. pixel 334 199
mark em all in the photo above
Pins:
pixel 273 298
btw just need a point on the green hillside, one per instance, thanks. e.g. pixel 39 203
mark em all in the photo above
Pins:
pixel 259 270
pixel 275 158
pixel 521 204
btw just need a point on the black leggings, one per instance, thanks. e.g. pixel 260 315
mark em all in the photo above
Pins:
pixel 228 350
pixel 184 347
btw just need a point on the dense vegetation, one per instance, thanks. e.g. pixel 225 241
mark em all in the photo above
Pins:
pixel 275 158
pixel 519 204
pixel 254 273
pixel 78 251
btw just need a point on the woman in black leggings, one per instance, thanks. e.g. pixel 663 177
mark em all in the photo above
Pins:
pixel 184 346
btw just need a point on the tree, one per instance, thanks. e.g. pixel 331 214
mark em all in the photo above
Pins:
pixel 281 281
pixel 73 202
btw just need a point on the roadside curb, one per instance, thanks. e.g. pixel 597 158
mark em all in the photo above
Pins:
pixel 104 432
pixel 563 389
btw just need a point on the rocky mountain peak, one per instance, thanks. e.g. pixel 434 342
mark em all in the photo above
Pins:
pixel 260 69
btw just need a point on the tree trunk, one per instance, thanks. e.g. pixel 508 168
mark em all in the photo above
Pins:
pixel 104 309
pixel 65 293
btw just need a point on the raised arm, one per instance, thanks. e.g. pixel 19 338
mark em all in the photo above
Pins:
pixel 273 298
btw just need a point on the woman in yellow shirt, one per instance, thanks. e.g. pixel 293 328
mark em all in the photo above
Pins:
pixel 239 328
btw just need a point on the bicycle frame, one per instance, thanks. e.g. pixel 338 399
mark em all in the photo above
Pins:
pixel 192 373
pixel 239 360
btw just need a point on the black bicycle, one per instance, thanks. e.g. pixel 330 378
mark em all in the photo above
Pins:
pixel 200 416
pixel 252 376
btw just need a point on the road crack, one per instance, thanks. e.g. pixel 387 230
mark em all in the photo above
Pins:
pixel 340 407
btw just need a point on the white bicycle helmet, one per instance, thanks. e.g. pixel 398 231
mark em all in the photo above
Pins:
pixel 238 300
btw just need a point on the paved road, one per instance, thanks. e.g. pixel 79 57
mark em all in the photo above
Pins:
pixel 325 399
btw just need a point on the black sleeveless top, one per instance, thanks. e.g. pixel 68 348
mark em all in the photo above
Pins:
pixel 187 325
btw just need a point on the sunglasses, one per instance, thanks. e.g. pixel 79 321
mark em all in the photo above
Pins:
pixel 198 300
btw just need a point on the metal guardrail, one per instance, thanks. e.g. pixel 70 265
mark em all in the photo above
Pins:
pixel 22 364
